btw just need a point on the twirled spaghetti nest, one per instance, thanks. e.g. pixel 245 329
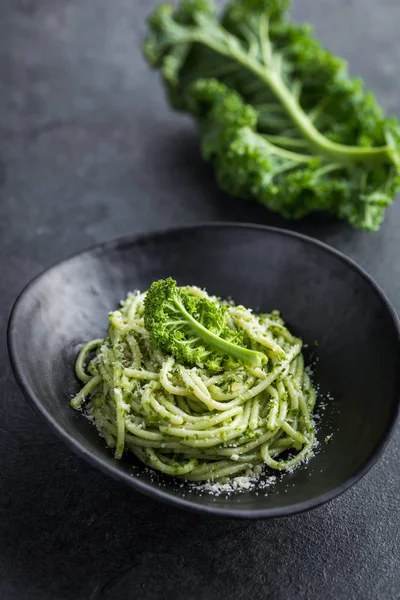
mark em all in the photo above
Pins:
pixel 191 423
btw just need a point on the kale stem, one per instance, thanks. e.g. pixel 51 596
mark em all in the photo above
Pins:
pixel 282 140
pixel 339 152
pixel 266 44
pixel 288 154
pixel 329 169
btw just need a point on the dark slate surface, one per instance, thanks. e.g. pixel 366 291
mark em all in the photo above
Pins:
pixel 89 151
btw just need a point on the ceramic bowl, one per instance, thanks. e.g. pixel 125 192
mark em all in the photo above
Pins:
pixel 351 331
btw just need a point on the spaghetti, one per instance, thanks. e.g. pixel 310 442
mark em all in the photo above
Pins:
pixel 191 423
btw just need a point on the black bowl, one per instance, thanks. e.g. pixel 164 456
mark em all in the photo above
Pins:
pixel 324 297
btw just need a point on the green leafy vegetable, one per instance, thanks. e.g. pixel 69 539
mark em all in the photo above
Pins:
pixel 194 330
pixel 279 117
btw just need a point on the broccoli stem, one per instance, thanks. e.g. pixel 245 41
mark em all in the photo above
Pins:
pixel 339 152
pixel 250 357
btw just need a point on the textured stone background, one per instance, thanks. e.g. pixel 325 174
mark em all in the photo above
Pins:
pixel 89 151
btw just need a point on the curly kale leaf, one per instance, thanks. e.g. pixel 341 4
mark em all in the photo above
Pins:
pixel 194 330
pixel 248 164
pixel 310 138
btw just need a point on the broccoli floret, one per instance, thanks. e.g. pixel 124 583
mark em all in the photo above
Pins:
pixel 194 330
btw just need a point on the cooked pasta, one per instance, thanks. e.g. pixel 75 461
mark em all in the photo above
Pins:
pixel 187 421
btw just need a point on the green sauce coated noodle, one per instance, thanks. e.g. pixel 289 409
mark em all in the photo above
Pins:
pixel 190 423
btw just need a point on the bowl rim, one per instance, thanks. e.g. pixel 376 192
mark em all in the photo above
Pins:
pixel 158 493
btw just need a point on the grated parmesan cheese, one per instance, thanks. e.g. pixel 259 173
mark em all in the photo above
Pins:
pixel 242 483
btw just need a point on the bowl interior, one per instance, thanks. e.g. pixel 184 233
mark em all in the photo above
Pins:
pixel 348 326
